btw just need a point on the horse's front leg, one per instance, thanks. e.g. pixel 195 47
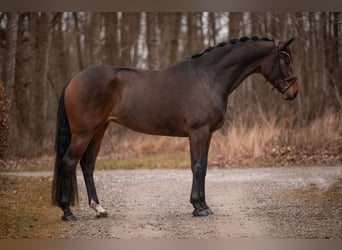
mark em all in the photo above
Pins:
pixel 199 146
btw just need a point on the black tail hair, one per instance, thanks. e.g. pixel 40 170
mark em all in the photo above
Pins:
pixel 62 142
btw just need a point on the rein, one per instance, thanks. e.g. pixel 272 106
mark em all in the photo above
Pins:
pixel 286 82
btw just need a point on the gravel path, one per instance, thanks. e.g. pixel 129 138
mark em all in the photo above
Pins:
pixel 247 203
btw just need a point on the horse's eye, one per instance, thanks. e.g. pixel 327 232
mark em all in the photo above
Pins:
pixel 287 60
pixel 286 57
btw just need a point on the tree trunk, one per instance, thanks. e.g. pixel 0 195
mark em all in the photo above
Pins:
pixel 11 41
pixel 193 43
pixel 4 124
pixel 129 34
pixel 255 24
pixel 174 37
pixel 61 54
pixel 135 29
pixel 78 43
pixel 42 40
pixel 165 23
pixel 212 29
pixel 334 19
pixel 23 77
pixel 125 43
pixel 111 43
pixel 10 69
pixel 152 40
pixel 92 36
pixel 234 24
pixel 275 25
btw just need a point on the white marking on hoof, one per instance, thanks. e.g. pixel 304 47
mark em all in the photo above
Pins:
pixel 98 209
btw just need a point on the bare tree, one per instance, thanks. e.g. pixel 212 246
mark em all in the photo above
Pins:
pixel 194 43
pixel 41 38
pixel 212 29
pixel 92 39
pixel 111 38
pixel 152 40
pixel 78 42
pixel 235 19
pixel 129 33
pixel 12 32
pixel 4 125
pixel 23 79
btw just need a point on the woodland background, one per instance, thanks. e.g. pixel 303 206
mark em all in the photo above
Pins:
pixel 40 52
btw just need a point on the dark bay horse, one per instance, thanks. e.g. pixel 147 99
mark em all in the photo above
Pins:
pixel 187 99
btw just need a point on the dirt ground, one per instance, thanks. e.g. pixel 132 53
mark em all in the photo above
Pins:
pixel 281 203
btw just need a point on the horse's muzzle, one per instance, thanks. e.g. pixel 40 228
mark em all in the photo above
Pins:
pixel 291 93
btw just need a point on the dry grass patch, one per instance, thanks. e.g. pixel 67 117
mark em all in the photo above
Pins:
pixel 273 144
pixel 146 161
pixel 313 195
pixel 25 209
pixel 323 203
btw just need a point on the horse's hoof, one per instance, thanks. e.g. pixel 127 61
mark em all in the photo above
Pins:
pixel 202 212
pixel 102 215
pixel 69 217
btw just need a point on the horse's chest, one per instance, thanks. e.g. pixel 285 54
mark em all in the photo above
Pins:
pixel 206 114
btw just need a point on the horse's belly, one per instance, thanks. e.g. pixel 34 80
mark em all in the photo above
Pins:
pixel 153 126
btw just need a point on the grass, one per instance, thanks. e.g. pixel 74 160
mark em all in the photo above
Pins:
pixel 325 203
pixel 273 144
pixel 149 161
pixel 313 195
pixel 25 209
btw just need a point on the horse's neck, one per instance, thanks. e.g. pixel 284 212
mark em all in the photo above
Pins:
pixel 232 67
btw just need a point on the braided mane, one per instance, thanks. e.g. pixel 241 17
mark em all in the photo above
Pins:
pixel 231 42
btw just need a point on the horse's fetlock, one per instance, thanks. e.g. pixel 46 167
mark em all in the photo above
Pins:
pixel 194 200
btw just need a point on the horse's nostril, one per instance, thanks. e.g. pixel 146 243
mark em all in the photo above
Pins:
pixel 295 95
pixel 290 96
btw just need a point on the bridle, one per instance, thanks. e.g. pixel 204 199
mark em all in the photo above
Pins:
pixel 285 82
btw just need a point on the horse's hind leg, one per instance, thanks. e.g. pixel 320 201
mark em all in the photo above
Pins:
pixel 68 193
pixel 88 165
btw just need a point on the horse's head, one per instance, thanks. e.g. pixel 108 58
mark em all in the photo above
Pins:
pixel 278 70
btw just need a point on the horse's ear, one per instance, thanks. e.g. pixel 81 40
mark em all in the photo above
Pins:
pixel 288 43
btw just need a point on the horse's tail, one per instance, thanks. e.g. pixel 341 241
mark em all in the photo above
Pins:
pixel 62 142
